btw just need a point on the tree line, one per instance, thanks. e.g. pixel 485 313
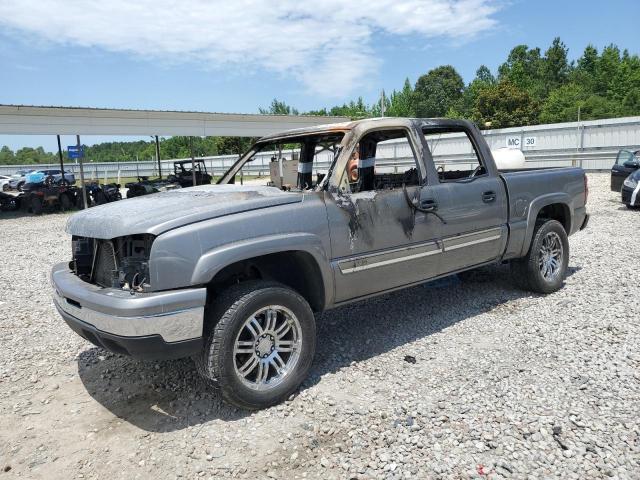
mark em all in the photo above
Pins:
pixel 529 88
pixel 140 150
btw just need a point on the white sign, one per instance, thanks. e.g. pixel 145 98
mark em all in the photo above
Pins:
pixel 514 142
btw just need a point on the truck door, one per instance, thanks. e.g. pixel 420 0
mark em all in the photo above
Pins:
pixel 468 195
pixel 378 240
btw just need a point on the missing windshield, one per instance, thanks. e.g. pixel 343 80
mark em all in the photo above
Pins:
pixel 291 163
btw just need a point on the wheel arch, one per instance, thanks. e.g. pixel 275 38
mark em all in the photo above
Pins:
pixel 296 260
pixel 552 207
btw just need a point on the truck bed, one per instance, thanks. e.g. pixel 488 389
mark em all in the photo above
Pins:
pixel 531 189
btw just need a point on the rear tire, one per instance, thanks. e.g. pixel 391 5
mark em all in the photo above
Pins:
pixel 544 268
pixel 256 357
pixel 65 202
pixel 100 197
pixel 36 205
pixel 80 200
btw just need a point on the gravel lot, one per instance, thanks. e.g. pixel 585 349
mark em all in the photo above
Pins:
pixel 504 383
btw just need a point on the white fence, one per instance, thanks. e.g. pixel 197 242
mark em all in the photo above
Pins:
pixel 592 145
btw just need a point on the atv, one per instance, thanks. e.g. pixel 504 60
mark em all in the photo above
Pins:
pixel 9 202
pixel 99 194
pixel 38 197
pixel 145 186
pixel 186 171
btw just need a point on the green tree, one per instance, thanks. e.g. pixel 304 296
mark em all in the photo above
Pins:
pixel 555 66
pixel 563 103
pixel 631 102
pixel 29 155
pixel 278 108
pixel 402 103
pixel 233 145
pixel 505 105
pixel 7 156
pixel 354 110
pixel 437 91
pixel 523 69
pixel 320 112
pixel 465 106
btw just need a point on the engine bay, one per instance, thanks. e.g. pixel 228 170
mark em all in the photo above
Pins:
pixel 118 263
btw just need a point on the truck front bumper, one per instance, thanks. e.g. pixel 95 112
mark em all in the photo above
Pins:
pixel 156 325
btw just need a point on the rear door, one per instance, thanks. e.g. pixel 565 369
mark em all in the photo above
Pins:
pixel 469 196
pixel 626 163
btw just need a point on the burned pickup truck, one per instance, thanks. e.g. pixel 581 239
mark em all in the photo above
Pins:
pixel 232 275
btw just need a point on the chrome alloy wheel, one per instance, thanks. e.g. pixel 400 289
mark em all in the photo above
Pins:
pixel 550 256
pixel 267 347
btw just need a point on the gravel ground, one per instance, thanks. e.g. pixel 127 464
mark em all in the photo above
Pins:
pixel 452 380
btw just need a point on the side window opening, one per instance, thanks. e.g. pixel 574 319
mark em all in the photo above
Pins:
pixel 374 164
pixel 454 154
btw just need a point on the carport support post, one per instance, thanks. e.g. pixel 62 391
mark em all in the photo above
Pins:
pixel 84 190
pixel 60 157
pixel 193 163
pixel 158 157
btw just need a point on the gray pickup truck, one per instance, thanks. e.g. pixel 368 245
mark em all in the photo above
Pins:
pixel 232 274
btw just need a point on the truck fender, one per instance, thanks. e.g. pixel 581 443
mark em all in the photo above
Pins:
pixel 538 204
pixel 211 262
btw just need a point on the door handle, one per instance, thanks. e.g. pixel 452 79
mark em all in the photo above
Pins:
pixel 488 197
pixel 429 205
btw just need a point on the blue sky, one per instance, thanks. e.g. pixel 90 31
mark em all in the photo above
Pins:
pixel 238 57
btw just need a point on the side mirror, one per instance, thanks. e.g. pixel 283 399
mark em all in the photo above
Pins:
pixel 631 164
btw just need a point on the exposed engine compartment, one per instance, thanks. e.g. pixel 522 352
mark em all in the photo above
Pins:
pixel 118 263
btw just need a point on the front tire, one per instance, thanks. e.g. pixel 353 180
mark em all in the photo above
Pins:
pixel 544 268
pixel 260 344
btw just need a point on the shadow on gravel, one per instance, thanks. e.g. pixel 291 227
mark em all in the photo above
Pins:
pixel 169 396
pixel 154 396
pixel 361 331
pixel 12 214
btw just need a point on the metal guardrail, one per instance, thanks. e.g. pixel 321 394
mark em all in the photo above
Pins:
pixel 600 159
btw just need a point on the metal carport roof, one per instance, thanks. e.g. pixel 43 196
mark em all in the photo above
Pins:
pixel 39 120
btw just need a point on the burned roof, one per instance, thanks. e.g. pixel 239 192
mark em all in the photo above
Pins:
pixel 390 122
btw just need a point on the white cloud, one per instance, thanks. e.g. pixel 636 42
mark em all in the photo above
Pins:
pixel 326 45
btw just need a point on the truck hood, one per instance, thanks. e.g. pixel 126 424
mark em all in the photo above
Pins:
pixel 159 212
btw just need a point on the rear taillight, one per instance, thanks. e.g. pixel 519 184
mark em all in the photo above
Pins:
pixel 586 188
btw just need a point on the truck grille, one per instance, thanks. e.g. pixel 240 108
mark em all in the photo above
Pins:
pixel 105 270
